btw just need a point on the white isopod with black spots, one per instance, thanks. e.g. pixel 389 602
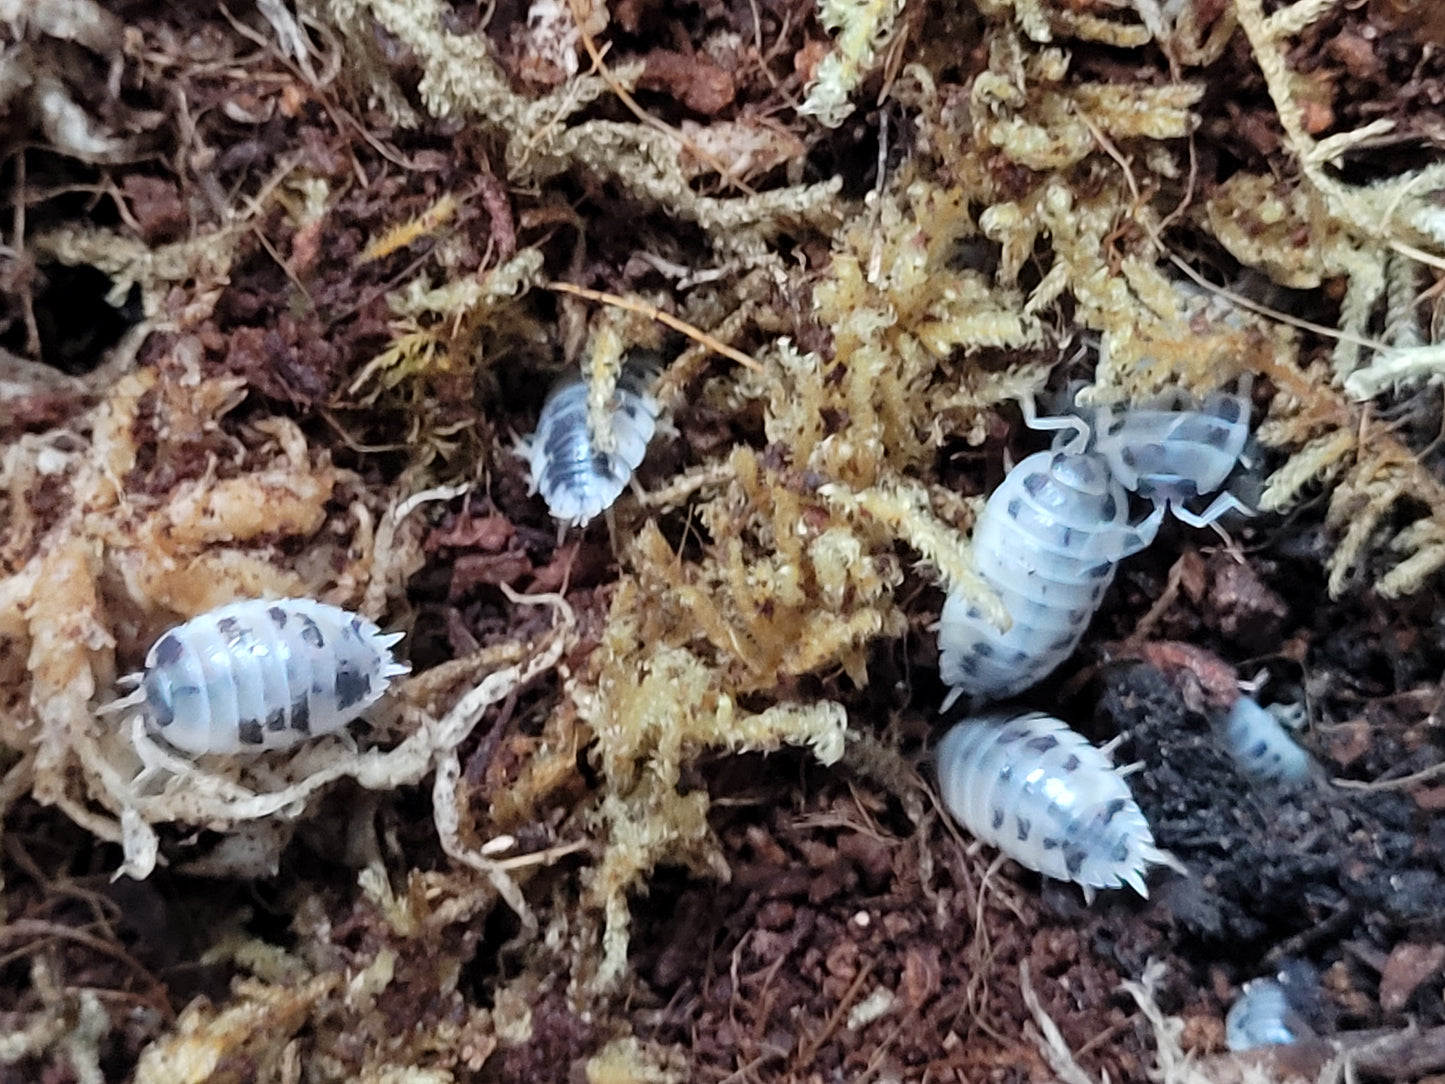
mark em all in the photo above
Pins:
pixel 262 674
pixel 1048 799
pixel 1171 452
pixel 1263 1016
pixel 576 478
pixel 1261 746
pixel 1047 541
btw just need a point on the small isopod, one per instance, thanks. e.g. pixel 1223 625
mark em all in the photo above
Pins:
pixel 1261 747
pixel 1263 1016
pixel 576 478
pixel 262 674
pixel 1047 541
pixel 1171 453
pixel 1048 799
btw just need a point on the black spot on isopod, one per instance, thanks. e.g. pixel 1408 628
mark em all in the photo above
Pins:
pixel 276 720
pixel 1071 764
pixel 1015 506
pixel 1130 459
pixel 311 632
pixel 1074 860
pixel 1116 423
pixel 983 650
pixel 1043 743
pixel 1217 437
pixel 1025 827
pixel 997 819
pixel 277 614
pixel 1062 642
pixel 355 628
pixel 1068 540
pixel 1049 843
pixel 1108 508
pixel 1011 735
pixel 301 715
pixel 168 650
pixel 1099 571
pixel 158 705
pixel 1114 808
pixel 1257 750
pixel 250 732
pixel 352 687
pixel 229 627
pixel 1036 483
pixel 562 443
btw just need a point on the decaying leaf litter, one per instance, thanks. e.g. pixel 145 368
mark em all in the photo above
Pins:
pixel 280 286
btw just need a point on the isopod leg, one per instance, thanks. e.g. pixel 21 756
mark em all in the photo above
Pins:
pixel 1075 444
pixel 1225 502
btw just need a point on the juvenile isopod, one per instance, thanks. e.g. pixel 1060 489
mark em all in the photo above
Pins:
pixel 566 465
pixel 1261 747
pixel 1048 799
pixel 1047 541
pixel 1263 1016
pixel 262 674
pixel 1171 452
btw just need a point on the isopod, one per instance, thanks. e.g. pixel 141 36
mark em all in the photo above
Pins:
pixel 1263 1016
pixel 1261 747
pixel 262 674
pixel 576 478
pixel 1047 541
pixel 1171 453
pixel 1048 799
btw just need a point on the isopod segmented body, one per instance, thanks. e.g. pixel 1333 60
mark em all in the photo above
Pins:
pixel 1047 798
pixel 1170 455
pixel 1263 1016
pixel 1261 747
pixel 264 674
pixel 576 478
pixel 1047 541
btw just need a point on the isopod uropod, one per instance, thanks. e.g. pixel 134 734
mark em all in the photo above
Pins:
pixel 1263 1016
pixel 262 674
pixel 1048 799
pixel 1261 747
pixel 576 478
pixel 1048 541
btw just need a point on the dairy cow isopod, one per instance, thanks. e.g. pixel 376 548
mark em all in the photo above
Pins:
pixel 262 674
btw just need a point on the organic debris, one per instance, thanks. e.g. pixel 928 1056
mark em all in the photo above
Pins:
pixel 281 285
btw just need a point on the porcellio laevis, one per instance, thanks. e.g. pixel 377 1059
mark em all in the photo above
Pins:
pixel 1261 746
pixel 1263 1016
pixel 263 674
pixel 1048 799
pixel 1172 452
pixel 575 477
pixel 1047 541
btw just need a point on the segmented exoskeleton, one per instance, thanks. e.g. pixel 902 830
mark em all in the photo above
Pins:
pixel 1048 799
pixel 1261 747
pixel 1263 1016
pixel 1169 451
pixel 566 463
pixel 1047 541
pixel 262 674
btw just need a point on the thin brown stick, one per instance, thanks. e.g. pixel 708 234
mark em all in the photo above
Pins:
pixel 642 308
